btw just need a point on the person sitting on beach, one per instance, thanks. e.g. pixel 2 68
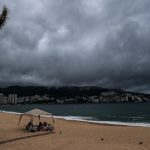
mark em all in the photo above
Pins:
pixel 40 126
pixel 30 127
pixel 45 125
pixel 50 128
pixel 29 124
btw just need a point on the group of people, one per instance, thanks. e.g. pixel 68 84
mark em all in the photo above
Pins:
pixel 40 127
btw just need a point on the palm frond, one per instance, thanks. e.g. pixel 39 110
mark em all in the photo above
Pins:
pixel 3 17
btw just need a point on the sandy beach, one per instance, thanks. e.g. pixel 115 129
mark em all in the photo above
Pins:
pixel 71 135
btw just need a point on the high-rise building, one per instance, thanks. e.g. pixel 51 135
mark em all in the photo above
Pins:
pixel 3 99
pixel 12 99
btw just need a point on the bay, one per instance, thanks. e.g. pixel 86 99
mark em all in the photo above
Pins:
pixel 127 112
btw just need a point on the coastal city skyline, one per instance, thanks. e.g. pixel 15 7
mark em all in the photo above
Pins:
pixel 101 43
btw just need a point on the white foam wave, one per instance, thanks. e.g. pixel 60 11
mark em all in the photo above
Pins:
pixel 12 112
pixel 89 120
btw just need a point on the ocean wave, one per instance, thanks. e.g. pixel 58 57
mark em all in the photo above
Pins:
pixel 132 117
pixel 12 112
pixel 91 120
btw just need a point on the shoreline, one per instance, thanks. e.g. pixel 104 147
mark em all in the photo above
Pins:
pixel 102 123
pixel 83 119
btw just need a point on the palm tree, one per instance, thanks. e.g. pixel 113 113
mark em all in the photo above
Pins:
pixel 3 17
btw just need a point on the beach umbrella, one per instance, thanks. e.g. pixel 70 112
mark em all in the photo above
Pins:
pixel 36 113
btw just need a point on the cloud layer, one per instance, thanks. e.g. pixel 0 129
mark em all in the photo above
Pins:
pixel 77 42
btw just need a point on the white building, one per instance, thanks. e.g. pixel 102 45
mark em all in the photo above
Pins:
pixel 12 98
pixel 3 99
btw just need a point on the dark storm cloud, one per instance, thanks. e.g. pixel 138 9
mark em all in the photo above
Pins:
pixel 77 42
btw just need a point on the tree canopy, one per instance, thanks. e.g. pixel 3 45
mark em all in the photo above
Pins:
pixel 3 17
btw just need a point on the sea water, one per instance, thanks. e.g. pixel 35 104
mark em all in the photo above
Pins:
pixel 131 114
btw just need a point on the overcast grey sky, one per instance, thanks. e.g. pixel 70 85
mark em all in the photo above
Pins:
pixel 76 42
